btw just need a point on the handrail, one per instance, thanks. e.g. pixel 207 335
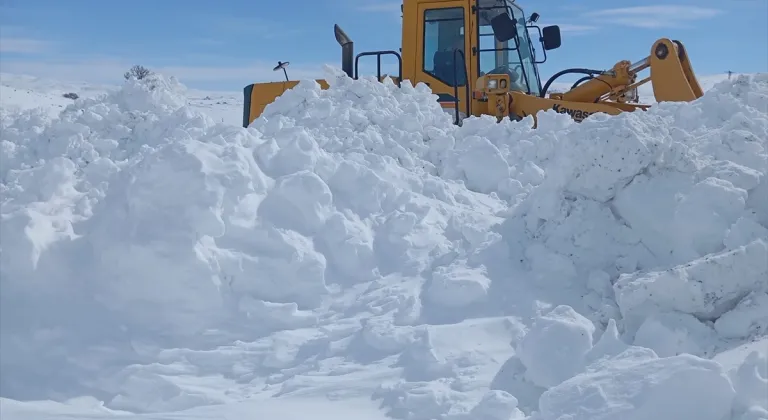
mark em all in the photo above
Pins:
pixel 456 82
pixel 378 55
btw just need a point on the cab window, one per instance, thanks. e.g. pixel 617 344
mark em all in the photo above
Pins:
pixel 444 32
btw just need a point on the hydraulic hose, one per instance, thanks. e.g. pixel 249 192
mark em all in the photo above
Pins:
pixel 580 81
pixel 589 72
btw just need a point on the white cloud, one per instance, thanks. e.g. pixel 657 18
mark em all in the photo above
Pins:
pixel 662 16
pixel 573 29
pixel 110 71
pixel 23 45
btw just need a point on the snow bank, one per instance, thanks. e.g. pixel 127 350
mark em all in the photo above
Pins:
pixel 638 385
pixel 135 218
pixel 706 288
pixel 353 238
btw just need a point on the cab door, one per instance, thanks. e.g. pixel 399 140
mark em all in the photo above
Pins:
pixel 444 26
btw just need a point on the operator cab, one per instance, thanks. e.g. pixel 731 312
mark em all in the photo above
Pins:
pixel 450 45
pixel 505 47
pixel 458 42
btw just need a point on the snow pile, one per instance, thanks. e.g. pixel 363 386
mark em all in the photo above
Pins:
pixel 646 193
pixel 611 380
pixel 133 219
pixel 555 347
pixel 352 241
pixel 634 383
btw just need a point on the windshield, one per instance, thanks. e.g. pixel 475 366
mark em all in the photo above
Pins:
pixel 514 57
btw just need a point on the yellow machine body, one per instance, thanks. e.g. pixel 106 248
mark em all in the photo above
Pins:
pixel 478 57
pixel 259 95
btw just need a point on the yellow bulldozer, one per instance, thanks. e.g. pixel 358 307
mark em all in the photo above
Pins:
pixel 478 57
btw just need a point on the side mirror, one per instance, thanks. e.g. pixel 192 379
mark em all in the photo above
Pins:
pixel 503 27
pixel 550 37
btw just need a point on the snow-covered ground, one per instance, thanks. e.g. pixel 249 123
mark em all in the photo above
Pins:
pixel 23 92
pixel 18 92
pixel 353 255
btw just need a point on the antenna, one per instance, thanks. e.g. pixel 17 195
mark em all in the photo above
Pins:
pixel 281 65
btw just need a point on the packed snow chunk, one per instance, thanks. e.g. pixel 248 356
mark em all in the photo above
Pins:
pixel 417 400
pixel 272 264
pixel 292 150
pixel 380 336
pixel 458 285
pixel 748 319
pixel 348 246
pixel 637 385
pixel 559 236
pixel 648 205
pixel 361 189
pixel 497 405
pixel 607 155
pixel 276 315
pixel 750 380
pixel 300 201
pixel 744 231
pixel 149 235
pixel 758 201
pixel 421 361
pixel 285 349
pixel 153 93
pixel 146 391
pixel 355 106
pixel 47 220
pixel 608 346
pixel 740 176
pixel 405 242
pixel 481 163
pixel 555 347
pixel 707 211
pixel 549 266
pixel 600 282
pixel 673 333
pixel 706 287
pixel 532 174
pixel 511 379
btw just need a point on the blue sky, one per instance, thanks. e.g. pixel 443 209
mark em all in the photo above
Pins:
pixel 227 44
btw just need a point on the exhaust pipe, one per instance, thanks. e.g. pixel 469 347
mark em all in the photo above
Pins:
pixel 347 50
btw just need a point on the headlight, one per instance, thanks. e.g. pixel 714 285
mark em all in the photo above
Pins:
pixel 493 84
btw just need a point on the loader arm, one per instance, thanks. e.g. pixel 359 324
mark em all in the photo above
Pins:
pixel 615 90
pixel 671 76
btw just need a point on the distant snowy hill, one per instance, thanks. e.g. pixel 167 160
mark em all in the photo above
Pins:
pixel 354 255
pixel 26 92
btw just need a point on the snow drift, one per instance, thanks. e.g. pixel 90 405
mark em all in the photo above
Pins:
pixel 353 241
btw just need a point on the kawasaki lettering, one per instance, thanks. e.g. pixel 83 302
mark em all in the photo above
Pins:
pixel 576 114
